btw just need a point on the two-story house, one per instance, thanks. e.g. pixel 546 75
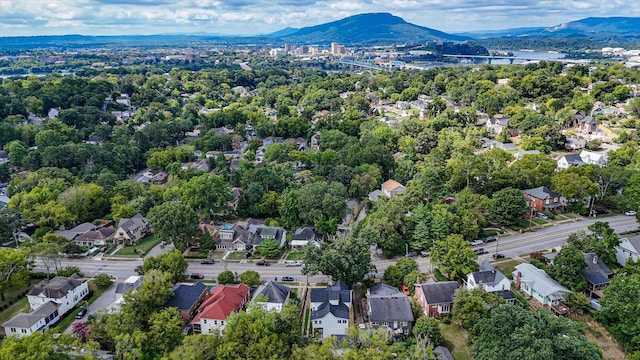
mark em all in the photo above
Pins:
pixel 331 309
pixel 187 298
pixel 491 280
pixel 569 160
pixel 543 198
pixel 214 311
pixel 629 248
pixel 64 291
pixel 596 274
pixel 594 158
pixel 436 298
pixel 389 308
pixel 132 230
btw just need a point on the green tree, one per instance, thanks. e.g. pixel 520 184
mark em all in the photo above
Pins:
pixel 250 278
pixel 197 347
pixel 165 332
pixel 567 268
pixel 620 307
pixel 507 206
pixel 313 203
pixel 206 194
pixel 345 259
pixel 511 332
pixel 171 262
pixel 102 281
pixel 471 306
pixel 602 240
pixel 454 256
pixel 41 345
pixel 393 276
pixel 429 328
pixel 10 223
pixel 270 248
pixel 174 223
pixel 14 269
pixel 226 277
pixel 85 202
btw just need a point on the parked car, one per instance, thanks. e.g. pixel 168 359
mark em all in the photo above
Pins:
pixel 288 278
pixel 491 239
pixel 262 262
pixel 207 261
pixel 477 242
pixel 542 215
pixel 498 256
pixel 293 263
pixel 630 213
pixel 411 254
pixel 197 276
pixel 424 253
pixel 480 251
pixel 81 313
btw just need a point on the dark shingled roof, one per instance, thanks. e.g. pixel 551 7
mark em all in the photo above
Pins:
pixel 541 192
pixel 505 294
pixel 595 278
pixel 185 295
pixel 383 290
pixel 489 278
pixel 57 287
pixel 306 233
pixel 443 353
pixel 338 291
pixel 275 293
pixel 340 311
pixel 595 264
pixel 390 308
pixel 439 292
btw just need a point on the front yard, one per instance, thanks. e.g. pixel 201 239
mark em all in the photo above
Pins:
pixel 141 247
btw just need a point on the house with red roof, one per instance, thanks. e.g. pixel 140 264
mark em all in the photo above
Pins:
pixel 212 314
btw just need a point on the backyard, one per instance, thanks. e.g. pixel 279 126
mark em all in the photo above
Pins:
pixel 456 341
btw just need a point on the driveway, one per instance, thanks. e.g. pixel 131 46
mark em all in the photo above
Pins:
pixel 104 301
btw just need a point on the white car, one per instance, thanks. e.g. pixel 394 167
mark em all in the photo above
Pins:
pixel 630 213
pixel 477 242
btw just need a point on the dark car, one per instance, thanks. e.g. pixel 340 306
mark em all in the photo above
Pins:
pixel 262 262
pixel 287 278
pixel 197 276
pixel 480 251
pixel 491 239
pixel 207 261
pixel 498 256
pixel 81 313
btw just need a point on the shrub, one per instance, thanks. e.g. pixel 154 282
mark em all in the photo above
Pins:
pixel 69 270
pixel 103 281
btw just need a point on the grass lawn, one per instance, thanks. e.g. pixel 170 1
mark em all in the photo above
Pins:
pixel 16 291
pixel 71 316
pixel 236 255
pixel 539 221
pixel 295 255
pixel 141 248
pixel 507 267
pixel 21 306
pixel 456 341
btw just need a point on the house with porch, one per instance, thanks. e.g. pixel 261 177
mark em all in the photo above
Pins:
pixel 389 308
pixel 543 198
pixel 436 297
pixel 303 237
pixel 331 309
pixel 217 306
pixel 597 274
pixel 130 231
pixel 537 285
pixel 96 237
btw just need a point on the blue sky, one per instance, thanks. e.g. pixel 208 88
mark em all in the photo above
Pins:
pixel 113 17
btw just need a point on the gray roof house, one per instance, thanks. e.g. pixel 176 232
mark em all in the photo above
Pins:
pixel 65 291
pixel 40 319
pixel 629 248
pixel 567 161
pixel 490 279
pixel 187 298
pixel 436 298
pixel 276 296
pixel 330 309
pixel 597 274
pixel 304 236
pixel 538 285
pixel 131 230
pixel 387 307
pixel 71 234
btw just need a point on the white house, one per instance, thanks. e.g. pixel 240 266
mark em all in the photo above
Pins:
pixel 330 309
pixel 271 296
pixel 569 160
pixel 64 291
pixel 496 124
pixel 594 158
pixel 629 248
pixel 217 306
pixel 25 324
pixel 488 278
pixel 132 283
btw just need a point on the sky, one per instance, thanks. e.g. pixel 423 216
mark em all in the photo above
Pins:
pixel 250 17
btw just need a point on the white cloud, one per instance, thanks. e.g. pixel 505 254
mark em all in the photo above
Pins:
pixel 33 17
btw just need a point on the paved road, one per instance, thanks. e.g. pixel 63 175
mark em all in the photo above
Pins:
pixel 514 245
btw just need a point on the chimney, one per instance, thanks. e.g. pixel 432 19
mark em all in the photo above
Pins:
pixel 518 276
pixel 595 259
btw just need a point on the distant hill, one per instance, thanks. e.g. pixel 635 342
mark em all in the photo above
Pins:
pixel 594 28
pixel 367 29
pixel 280 33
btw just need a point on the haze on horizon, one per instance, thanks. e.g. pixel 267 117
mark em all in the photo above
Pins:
pixel 250 17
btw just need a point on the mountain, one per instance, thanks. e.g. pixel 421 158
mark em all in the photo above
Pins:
pixel 280 33
pixel 368 29
pixel 605 26
pixel 512 32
